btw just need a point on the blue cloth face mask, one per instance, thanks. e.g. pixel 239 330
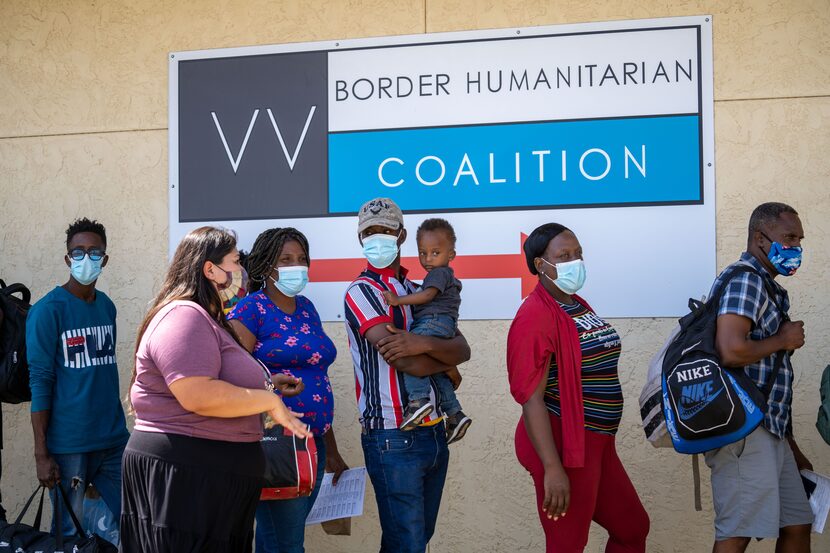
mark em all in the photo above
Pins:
pixel 86 271
pixel 786 260
pixel 380 250
pixel 570 276
pixel 291 280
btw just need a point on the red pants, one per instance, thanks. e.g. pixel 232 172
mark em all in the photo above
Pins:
pixel 600 491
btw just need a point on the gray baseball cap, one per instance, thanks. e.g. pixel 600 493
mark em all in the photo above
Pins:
pixel 380 211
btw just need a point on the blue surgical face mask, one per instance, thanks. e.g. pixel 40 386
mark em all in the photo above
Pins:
pixel 291 280
pixel 570 276
pixel 380 249
pixel 786 260
pixel 86 271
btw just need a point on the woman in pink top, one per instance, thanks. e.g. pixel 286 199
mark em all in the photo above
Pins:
pixel 192 471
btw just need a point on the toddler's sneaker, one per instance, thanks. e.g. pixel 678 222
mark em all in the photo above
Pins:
pixel 457 426
pixel 416 411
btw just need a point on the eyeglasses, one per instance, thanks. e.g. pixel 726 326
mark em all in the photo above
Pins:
pixel 94 254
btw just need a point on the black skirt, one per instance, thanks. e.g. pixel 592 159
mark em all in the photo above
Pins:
pixel 187 495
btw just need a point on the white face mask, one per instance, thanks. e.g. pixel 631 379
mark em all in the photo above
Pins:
pixel 570 276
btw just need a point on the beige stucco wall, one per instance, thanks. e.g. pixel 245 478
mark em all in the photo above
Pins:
pixel 83 117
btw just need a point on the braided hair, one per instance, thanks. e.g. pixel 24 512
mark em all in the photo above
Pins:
pixel 267 248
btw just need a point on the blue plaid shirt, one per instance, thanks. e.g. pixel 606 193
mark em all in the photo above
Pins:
pixel 746 295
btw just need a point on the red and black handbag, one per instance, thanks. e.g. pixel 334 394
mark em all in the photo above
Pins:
pixel 290 464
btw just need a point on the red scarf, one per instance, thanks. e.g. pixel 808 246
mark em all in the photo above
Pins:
pixel 541 328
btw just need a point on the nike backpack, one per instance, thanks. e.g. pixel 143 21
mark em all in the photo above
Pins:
pixel 705 405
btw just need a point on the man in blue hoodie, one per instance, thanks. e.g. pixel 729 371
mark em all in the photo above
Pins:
pixel 78 421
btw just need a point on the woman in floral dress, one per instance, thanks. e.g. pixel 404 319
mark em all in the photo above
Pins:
pixel 283 330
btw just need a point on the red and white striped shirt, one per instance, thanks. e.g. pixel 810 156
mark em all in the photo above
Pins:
pixel 381 393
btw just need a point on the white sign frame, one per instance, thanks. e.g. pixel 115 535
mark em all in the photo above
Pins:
pixel 652 258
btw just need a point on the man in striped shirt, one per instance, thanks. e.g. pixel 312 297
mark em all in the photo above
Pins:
pixel 407 469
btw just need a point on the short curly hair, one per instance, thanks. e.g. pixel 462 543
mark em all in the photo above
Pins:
pixel 85 225
pixel 436 224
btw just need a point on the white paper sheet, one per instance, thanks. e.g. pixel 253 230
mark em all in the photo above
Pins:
pixel 340 501
pixel 819 499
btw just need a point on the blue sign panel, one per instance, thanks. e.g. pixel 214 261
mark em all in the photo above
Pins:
pixel 603 162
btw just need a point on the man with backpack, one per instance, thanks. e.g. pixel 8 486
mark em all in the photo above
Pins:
pixel 77 418
pixel 756 486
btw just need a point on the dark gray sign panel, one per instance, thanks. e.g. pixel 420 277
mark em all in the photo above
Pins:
pixel 253 137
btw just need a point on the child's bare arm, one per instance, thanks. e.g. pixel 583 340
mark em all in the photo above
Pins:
pixel 418 298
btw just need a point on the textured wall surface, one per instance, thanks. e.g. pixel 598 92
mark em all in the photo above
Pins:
pixel 83 117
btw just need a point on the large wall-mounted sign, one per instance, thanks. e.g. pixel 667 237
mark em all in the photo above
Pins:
pixel 604 127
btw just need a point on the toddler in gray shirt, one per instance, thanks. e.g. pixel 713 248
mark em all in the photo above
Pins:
pixel 435 309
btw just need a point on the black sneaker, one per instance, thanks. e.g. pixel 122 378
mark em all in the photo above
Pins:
pixel 457 426
pixel 416 411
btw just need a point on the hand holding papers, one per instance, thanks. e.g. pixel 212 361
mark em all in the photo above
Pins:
pixel 340 501
pixel 819 495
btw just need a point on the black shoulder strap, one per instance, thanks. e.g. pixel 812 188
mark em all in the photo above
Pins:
pixel 16 288
pixel 776 368
pixel 725 278
pixel 779 356
pixel 773 297
pixel 730 273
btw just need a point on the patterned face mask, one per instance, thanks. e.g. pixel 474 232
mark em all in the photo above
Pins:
pixel 233 289
pixel 786 260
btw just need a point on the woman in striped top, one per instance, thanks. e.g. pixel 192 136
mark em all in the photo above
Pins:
pixel 601 391
pixel 562 366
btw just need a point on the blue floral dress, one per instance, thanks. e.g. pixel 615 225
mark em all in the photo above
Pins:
pixel 293 344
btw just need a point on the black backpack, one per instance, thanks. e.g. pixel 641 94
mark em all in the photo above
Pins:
pixel 705 405
pixel 14 369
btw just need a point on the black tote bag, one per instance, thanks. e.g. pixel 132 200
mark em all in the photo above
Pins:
pixel 18 536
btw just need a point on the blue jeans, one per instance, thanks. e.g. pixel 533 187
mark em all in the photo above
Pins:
pixel 407 470
pixel 102 468
pixel 440 326
pixel 280 523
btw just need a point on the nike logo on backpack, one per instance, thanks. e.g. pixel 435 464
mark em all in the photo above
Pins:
pixel 695 398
